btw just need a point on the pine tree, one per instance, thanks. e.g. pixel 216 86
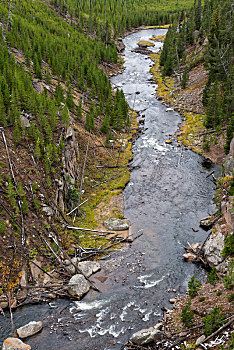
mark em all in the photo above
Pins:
pixel 3 119
pixel 89 122
pixel 17 135
pixel 59 94
pixel 69 99
pixel 37 150
pixel 185 78
pixel 105 124
pixel 65 115
pixel 25 208
pixel 37 68
pixel 79 110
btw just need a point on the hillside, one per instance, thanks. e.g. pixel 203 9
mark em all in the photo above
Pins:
pixel 63 128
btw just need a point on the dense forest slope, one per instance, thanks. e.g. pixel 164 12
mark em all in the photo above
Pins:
pixel 205 40
pixel 62 126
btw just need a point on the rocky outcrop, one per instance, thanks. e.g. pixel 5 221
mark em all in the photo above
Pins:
pixel 14 344
pixel 116 225
pixel 70 167
pixel 79 285
pixel 229 160
pixel 29 329
pixel 120 45
pixel 212 250
pixel 146 336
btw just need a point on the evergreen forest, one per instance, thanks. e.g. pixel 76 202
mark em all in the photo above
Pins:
pixel 211 22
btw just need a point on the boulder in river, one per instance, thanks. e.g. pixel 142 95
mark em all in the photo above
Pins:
pixel 14 344
pixel 79 285
pixel 146 336
pixel 116 225
pixel 89 267
pixel 29 329
pixel 207 223
pixel 190 257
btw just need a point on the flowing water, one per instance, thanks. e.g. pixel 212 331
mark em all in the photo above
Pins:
pixel 166 197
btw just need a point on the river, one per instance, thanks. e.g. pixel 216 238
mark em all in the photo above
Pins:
pixel 166 197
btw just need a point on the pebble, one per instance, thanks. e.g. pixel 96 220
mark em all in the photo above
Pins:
pixel 172 300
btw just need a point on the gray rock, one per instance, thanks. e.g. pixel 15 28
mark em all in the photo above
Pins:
pixel 80 287
pixel 229 160
pixel 24 121
pixel 29 329
pixel 89 267
pixel 213 248
pixel 200 340
pixel 14 344
pixel 231 152
pixel 47 210
pixel 71 267
pixel 146 336
pixel 116 225
pixel 223 266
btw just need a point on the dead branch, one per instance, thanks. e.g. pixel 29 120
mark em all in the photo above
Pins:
pixel 82 178
pixel 211 173
pixel 77 207
pixel 87 229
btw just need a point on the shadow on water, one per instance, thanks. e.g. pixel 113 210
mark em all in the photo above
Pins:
pixel 166 197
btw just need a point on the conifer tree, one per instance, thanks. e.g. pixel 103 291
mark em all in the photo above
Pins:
pixel 105 124
pixel 89 122
pixel 185 78
pixel 65 115
pixel 69 99
pixel 79 110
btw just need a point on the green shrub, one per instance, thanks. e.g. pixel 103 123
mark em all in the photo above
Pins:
pixel 194 286
pixel 213 277
pixel 213 321
pixel 202 299
pixel 3 229
pixel 187 315
pixel 231 298
pixel 219 292
pixel 228 246
pixel 229 277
